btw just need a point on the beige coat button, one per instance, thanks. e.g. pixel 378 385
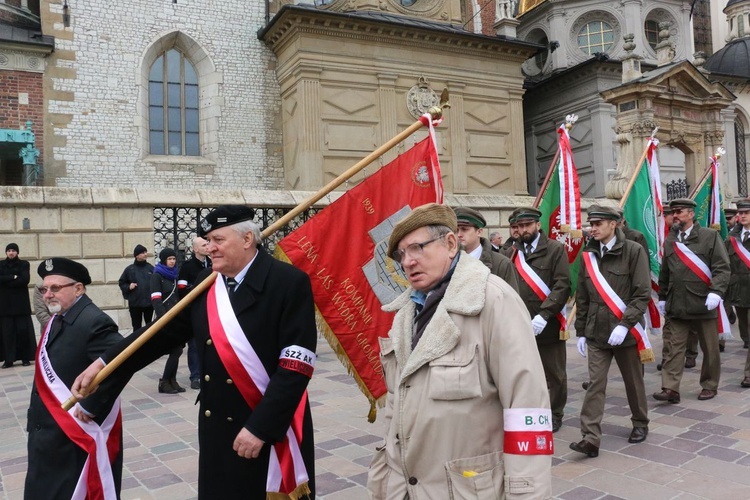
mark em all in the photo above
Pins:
pixel 230 381
pixel 209 342
pixel 207 413
pixel 207 378
pixel 230 419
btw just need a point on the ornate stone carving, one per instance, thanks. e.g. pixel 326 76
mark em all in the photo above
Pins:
pixel 421 98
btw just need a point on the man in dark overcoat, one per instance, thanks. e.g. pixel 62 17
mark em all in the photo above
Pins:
pixel 689 298
pixel 547 262
pixel 78 333
pixel 738 248
pixel 17 338
pixel 256 320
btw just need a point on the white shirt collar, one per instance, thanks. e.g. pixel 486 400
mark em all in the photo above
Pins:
pixel 534 243
pixel 477 252
pixel 608 245
pixel 241 275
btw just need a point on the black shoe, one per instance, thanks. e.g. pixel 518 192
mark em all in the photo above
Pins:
pixel 586 448
pixel 556 424
pixel 585 385
pixel 165 387
pixel 721 347
pixel 690 362
pixel 638 435
pixel 745 382
pixel 177 387
pixel 26 363
pixel 7 365
pixel 745 344
pixel 659 366
pixel 195 384
pixel 667 395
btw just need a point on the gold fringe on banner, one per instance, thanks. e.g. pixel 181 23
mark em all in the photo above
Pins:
pixel 333 341
pixel 576 234
pixel 564 334
pixel 717 227
pixel 647 356
pixel 564 228
pixel 301 491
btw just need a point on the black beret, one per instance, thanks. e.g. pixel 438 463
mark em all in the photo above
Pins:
pixel 683 203
pixel 165 254
pixel 11 246
pixel 525 213
pixel 225 215
pixel 61 266
pixel 470 216
pixel 139 249
pixel 743 205
pixel 600 212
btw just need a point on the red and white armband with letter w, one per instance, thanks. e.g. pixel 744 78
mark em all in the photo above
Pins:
pixel 528 431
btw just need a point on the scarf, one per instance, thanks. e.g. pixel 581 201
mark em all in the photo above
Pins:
pixel 427 310
pixel 168 272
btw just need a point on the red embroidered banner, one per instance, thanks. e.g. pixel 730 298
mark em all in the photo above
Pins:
pixel 342 249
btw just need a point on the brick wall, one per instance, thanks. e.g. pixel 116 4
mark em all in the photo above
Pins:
pixel 14 115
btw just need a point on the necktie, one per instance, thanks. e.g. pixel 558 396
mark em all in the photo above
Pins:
pixel 529 248
pixel 744 236
pixel 231 284
pixel 604 251
pixel 682 237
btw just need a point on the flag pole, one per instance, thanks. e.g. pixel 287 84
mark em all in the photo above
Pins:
pixel 570 120
pixel 719 153
pixel 436 112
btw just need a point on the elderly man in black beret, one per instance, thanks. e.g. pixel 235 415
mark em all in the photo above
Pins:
pixel 694 278
pixel 466 391
pixel 68 460
pixel 255 326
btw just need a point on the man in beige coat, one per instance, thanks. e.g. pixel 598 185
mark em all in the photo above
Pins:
pixel 467 412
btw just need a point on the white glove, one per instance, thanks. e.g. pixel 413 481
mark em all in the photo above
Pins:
pixel 537 324
pixel 582 346
pixel 617 335
pixel 712 301
pixel 662 307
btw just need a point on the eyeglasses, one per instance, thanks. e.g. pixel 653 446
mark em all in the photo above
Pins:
pixel 415 250
pixel 54 288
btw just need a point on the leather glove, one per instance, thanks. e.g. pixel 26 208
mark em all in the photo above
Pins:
pixel 617 335
pixel 537 324
pixel 582 346
pixel 662 307
pixel 712 301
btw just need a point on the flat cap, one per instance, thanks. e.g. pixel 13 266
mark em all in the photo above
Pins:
pixel 225 215
pixel 525 213
pixel 60 266
pixel 599 212
pixel 469 216
pixel 683 203
pixel 431 214
pixel 742 205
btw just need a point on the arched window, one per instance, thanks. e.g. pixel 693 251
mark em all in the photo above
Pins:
pixel 741 155
pixel 596 36
pixel 173 106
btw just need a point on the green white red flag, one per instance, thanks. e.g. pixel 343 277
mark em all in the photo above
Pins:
pixel 709 211
pixel 343 250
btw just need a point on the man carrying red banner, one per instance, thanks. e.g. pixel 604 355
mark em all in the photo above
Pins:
pixel 467 412
pixel 738 248
pixel 544 285
pixel 614 287
pixel 72 457
pixel 694 277
pixel 256 328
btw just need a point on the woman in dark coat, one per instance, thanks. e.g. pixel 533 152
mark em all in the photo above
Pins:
pixel 18 338
pixel 164 296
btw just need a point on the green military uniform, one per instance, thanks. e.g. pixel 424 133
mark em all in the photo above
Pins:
pixel 550 261
pixel 685 295
pixel 739 284
pixel 625 267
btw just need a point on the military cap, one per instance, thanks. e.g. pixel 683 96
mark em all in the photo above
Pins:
pixel 526 213
pixel 60 266
pixel 731 212
pixel 666 210
pixel 600 212
pixel 225 215
pixel 742 205
pixel 431 214
pixel 620 212
pixel 512 218
pixel 683 203
pixel 469 216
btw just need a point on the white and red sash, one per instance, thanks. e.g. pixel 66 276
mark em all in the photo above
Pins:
pixel 102 443
pixel 616 305
pixel 536 283
pixel 700 269
pixel 527 431
pixel 286 470
pixel 742 252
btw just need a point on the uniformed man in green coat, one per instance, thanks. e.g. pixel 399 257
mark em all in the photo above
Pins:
pixel 738 248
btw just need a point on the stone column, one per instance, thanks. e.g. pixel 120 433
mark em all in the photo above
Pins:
pixel 457 126
pixel 309 164
pixel 631 144
pixel 388 116
pixel 518 162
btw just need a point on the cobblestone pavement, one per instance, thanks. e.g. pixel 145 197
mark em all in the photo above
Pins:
pixel 695 449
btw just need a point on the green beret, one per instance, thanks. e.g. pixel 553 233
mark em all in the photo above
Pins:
pixel 469 216
pixel 599 212
pixel 525 213
pixel 683 203
pixel 431 214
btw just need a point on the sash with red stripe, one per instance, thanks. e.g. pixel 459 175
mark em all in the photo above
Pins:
pixel 700 269
pixel 742 252
pixel 617 306
pixel 102 443
pixel 536 283
pixel 287 476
